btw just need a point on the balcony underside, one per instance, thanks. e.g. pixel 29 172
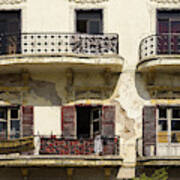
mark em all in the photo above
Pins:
pixel 160 63
pixel 60 161
pixel 158 161
pixel 52 62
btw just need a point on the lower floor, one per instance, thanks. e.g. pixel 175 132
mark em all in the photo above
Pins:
pixel 58 173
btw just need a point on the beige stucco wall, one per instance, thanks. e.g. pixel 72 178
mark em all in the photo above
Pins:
pixel 132 21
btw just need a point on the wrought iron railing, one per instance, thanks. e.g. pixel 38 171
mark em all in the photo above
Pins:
pixel 62 146
pixel 56 43
pixel 164 44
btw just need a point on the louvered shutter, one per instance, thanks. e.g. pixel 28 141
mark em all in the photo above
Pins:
pixel 108 121
pixel 149 130
pixel 27 120
pixel 69 122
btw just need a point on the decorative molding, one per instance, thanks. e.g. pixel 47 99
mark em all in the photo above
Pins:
pixel 166 1
pixel 11 1
pixel 88 1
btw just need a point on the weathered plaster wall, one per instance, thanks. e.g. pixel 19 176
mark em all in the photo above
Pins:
pixel 132 21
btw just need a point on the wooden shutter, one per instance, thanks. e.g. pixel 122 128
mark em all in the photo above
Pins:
pixel 27 120
pixel 108 121
pixel 69 122
pixel 149 130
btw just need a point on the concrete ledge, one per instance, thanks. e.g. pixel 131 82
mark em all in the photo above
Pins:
pixel 59 161
pixel 159 62
pixel 60 61
pixel 159 161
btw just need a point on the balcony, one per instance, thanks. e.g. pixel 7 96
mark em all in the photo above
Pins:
pixel 59 152
pixel 74 50
pixel 160 53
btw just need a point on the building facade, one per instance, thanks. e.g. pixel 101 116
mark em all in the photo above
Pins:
pixel 89 89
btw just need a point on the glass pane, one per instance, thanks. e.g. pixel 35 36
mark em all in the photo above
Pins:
pixel 162 125
pixel 81 26
pixel 96 114
pixel 162 112
pixel 2 114
pixel 176 113
pixel 175 137
pixel 3 129
pixel 163 26
pixel 15 129
pixel 14 113
pixel 175 27
pixel 96 127
pixel 94 27
pixel 175 125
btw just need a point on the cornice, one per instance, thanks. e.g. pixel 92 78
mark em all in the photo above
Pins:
pixel 88 1
pixel 166 1
pixel 4 2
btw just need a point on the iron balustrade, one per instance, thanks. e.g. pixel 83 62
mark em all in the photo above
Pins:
pixel 163 44
pixel 55 43
pixel 82 146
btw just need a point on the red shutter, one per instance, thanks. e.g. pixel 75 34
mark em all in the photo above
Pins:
pixel 149 129
pixel 69 122
pixel 27 120
pixel 108 121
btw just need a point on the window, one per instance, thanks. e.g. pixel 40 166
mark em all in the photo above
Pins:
pixel 88 121
pixel 89 21
pixel 168 29
pixel 169 124
pixel 10 28
pixel 9 122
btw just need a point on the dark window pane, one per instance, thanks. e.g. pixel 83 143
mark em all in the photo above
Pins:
pixel 96 127
pixel 163 26
pixel 3 129
pixel 81 26
pixel 2 114
pixel 176 113
pixel 162 113
pixel 175 138
pixel 175 125
pixel 89 21
pixel 15 129
pixel 162 125
pixel 14 113
pixel 94 27
pixel 96 114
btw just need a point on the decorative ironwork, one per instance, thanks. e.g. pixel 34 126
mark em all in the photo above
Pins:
pixel 81 146
pixel 164 44
pixel 55 43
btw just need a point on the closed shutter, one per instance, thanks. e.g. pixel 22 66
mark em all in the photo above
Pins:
pixel 27 120
pixel 69 122
pixel 149 130
pixel 108 121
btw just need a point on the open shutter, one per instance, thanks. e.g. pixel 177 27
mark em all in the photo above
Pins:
pixel 69 122
pixel 149 130
pixel 108 121
pixel 27 120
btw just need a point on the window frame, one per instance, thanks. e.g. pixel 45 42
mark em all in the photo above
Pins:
pixel 9 120
pixel 169 118
pixel 88 20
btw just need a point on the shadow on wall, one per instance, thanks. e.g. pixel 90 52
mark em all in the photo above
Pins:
pixel 57 89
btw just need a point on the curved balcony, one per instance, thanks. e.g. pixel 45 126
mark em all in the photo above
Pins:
pixel 160 52
pixel 61 49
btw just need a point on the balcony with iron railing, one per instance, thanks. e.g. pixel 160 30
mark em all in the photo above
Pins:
pixel 159 51
pixel 60 48
pixel 54 150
